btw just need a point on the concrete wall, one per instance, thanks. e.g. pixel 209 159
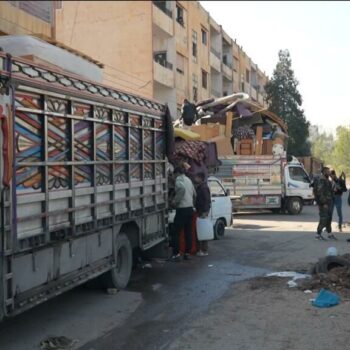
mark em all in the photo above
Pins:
pixel 14 21
pixel 116 33
pixel 31 48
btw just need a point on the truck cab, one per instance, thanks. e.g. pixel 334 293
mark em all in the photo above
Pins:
pixel 297 187
pixel 221 208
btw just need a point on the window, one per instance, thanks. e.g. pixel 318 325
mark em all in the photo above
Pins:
pixel 204 37
pixel 247 77
pixel 180 63
pixel 216 189
pixel 180 15
pixel 194 87
pixel 194 46
pixel 204 79
pixel 298 174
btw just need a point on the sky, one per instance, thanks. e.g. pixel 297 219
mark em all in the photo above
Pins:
pixel 317 35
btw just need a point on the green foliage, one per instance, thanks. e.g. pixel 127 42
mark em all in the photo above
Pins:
pixel 333 151
pixel 285 100
pixel 322 145
pixel 341 154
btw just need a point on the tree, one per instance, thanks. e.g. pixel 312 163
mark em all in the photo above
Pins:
pixel 322 145
pixel 340 154
pixel 285 100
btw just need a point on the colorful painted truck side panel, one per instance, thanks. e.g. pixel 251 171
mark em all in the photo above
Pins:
pixel 88 163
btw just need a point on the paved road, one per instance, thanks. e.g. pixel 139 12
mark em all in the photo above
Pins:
pixel 163 301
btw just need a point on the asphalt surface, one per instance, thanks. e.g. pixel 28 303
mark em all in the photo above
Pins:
pixel 164 298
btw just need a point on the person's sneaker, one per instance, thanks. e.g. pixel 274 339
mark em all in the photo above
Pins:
pixel 331 236
pixel 187 256
pixel 320 237
pixel 201 253
pixel 340 228
pixel 176 258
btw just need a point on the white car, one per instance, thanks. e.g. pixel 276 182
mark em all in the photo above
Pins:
pixel 221 208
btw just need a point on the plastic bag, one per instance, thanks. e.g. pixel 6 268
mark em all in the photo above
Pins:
pixel 205 229
pixel 326 299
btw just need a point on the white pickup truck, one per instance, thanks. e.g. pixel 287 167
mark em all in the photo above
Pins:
pixel 221 208
pixel 266 182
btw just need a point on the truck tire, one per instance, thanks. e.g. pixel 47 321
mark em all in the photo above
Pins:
pixel 119 276
pixel 328 263
pixel 294 206
pixel 219 229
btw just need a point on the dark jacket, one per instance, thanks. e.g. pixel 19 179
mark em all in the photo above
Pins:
pixel 324 191
pixel 203 200
pixel 189 113
pixel 339 187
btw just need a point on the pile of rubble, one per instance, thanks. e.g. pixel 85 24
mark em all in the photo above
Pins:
pixel 332 273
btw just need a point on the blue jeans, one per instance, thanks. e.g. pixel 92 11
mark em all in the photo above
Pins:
pixel 338 205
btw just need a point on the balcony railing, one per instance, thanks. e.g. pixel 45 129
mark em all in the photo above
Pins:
pixel 161 6
pixel 163 62
pixel 216 53
pixel 228 64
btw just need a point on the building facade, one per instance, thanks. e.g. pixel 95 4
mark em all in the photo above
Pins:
pixel 166 50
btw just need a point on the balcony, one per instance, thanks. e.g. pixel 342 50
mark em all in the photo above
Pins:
pixel 181 82
pixel 227 71
pixel 261 99
pixel 161 5
pixel 254 94
pixel 215 61
pixel 215 52
pixel 215 93
pixel 163 72
pixel 163 18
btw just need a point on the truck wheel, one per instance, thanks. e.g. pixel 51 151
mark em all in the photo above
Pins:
pixel 294 206
pixel 219 229
pixel 119 276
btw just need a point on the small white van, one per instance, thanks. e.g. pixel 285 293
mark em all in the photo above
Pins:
pixel 221 208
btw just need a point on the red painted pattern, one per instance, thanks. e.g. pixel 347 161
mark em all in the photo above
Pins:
pixel 5 148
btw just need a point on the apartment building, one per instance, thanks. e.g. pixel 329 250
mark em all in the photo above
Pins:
pixel 166 50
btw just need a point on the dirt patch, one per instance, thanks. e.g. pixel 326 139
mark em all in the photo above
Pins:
pixel 263 313
pixel 263 283
pixel 337 280
pixel 334 278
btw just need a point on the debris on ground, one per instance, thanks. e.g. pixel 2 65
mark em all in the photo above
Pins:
pixel 326 298
pixel 295 276
pixel 57 343
pixel 332 273
pixel 112 291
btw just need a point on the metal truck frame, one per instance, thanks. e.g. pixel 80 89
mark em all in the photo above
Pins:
pixel 83 182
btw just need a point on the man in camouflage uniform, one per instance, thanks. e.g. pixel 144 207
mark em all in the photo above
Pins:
pixel 324 197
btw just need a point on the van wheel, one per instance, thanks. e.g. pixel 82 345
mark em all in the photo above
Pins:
pixel 294 206
pixel 119 276
pixel 219 229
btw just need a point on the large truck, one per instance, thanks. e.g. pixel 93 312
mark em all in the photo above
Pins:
pixel 83 182
pixel 266 182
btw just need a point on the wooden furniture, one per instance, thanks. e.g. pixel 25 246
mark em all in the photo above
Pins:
pixel 245 147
